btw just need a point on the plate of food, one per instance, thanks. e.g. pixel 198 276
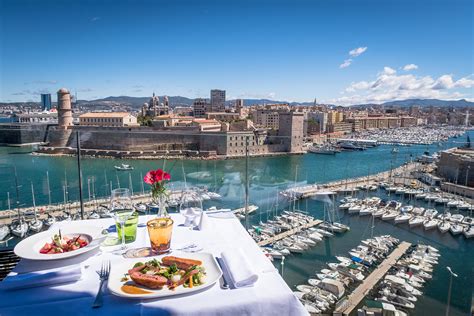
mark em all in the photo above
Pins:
pixel 163 276
pixel 60 243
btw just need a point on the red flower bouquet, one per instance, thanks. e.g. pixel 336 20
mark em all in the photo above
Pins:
pixel 157 180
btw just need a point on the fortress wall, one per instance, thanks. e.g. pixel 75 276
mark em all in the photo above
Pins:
pixel 125 139
pixel 18 133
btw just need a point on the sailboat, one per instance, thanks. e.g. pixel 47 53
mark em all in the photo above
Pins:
pixel 4 229
pixel 50 220
pixel 35 225
pixel 18 226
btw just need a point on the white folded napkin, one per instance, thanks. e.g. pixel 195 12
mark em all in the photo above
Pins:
pixel 16 281
pixel 238 268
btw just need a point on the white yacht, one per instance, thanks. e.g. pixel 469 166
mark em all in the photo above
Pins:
pixel 444 226
pixel 416 221
pixel 456 229
pixel 4 231
pixel 430 223
pixel 403 218
pixel 468 232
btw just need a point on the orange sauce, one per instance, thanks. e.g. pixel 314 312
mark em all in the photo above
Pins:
pixel 132 289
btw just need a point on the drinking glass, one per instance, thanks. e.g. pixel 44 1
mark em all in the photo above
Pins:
pixel 130 228
pixel 159 230
pixel 121 209
pixel 190 207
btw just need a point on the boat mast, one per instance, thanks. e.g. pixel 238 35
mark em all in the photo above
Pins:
pixel 89 188
pixel 107 192
pixel 17 202
pixel 49 188
pixel 143 187
pixel 294 197
pixel 8 200
pixel 33 198
pixel 130 185
pixel 118 181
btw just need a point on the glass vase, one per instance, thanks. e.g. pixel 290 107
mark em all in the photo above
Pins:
pixel 161 202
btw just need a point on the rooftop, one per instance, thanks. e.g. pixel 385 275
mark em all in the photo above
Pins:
pixel 104 114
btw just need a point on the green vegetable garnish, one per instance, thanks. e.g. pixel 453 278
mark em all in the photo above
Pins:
pixel 154 263
pixel 173 268
pixel 138 264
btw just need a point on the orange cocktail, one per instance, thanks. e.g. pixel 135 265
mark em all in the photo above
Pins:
pixel 159 230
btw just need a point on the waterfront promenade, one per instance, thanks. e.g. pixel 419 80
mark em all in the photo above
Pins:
pixel 353 300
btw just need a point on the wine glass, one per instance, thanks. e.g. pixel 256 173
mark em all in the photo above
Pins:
pixel 121 209
pixel 190 207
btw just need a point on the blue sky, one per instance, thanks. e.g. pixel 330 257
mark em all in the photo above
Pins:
pixel 337 51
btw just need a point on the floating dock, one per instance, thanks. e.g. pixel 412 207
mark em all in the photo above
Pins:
pixel 289 232
pixel 354 299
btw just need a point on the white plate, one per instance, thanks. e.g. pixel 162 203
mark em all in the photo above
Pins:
pixel 29 248
pixel 213 274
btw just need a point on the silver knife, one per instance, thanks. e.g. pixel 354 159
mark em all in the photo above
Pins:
pixel 225 283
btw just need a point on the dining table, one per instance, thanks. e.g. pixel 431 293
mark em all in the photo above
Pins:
pixel 269 295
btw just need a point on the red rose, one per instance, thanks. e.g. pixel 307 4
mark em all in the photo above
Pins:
pixel 159 175
pixel 149 177
pixel 154 176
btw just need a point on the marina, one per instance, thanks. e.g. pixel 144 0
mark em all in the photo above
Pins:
pixel 354 299
pixel 268 176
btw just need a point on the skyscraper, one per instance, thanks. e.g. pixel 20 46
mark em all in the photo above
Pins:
pixel 217 100
pixel 46 101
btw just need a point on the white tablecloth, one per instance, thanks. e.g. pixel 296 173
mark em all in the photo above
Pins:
pixel 269 296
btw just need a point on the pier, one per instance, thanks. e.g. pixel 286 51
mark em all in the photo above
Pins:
pixel 347 185
pixel 353 300
pixel 289 232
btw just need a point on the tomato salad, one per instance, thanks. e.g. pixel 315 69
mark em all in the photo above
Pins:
pixel 61 244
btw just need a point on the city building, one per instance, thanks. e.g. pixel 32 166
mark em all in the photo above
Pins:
pixel 340 127
pixel 291 131
pixel 36 117
pixel 46 103
pixel 223 116
pixel 107 119
pixel 335 117
pixel 267 118
pixel 217 100
pixel 183 110
pixel 200 107
pixel 154 108
pixel 457 166
pixel 316 122
pixel 239 104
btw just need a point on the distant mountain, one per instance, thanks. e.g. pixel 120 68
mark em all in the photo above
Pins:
pixel 424 103
pixel 136 101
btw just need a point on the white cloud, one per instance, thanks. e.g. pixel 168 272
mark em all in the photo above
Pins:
pixel 388 71
pixel 410 67
pixel 357 51
pixel 353 53
pixel 465 82
pixel 346 63
pixel 444 82
pixel 388 86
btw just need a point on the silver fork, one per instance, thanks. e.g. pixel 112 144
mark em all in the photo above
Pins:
pixel 104 276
